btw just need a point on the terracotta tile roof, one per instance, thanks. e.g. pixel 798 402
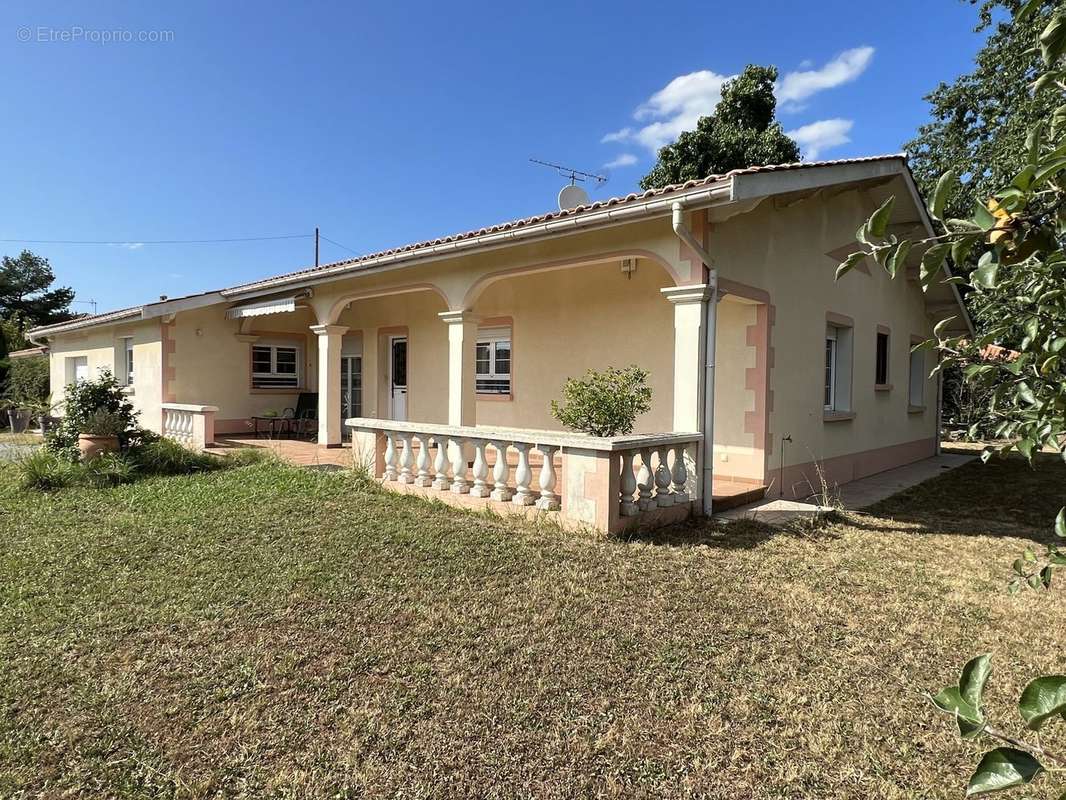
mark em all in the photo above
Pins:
pixel 354 263
pixel 28 352
pixel 634 197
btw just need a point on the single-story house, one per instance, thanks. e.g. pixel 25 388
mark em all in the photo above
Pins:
pixel 765 370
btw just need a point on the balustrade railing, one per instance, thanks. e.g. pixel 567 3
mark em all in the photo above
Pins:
pixel 607 479
pixel 191 425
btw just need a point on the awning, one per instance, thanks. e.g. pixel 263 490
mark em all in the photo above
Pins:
pixel 279 305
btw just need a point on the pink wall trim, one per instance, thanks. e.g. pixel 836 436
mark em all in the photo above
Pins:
pixel 844 469
pixel 757 378
pixel 167 361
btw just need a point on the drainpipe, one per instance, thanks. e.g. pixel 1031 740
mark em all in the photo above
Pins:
pixel 710 326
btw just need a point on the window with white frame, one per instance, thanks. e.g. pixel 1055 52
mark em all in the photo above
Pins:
pixel 916 392
pixel 127 360
pixel 492 361
pixel 836 383
pixel 276 365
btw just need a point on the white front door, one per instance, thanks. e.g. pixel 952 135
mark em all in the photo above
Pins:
pixel 398 378
pixel 351 388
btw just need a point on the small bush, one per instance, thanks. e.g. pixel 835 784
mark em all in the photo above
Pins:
pixel 604 403
pixel 246 456
pixel 109 469
pixel 103 423
pixel 84 399
pixel 166 457
pixel 44 471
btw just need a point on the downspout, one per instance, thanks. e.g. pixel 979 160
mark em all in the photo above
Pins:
pixel 710 326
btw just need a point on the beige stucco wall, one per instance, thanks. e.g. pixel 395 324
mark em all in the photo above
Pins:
pixel 736 453
pixel 102 350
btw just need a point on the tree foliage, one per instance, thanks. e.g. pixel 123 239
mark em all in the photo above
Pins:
pixel 83 400
pixel 604 403
pixel 741 133
pixel 26 296
pixel 979 122
pixel 1016 233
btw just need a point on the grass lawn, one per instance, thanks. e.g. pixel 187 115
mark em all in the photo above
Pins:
pixel 272 631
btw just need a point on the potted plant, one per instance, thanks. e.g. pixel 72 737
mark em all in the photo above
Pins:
pixel 41 410
pixel 99 433
pixel 18 417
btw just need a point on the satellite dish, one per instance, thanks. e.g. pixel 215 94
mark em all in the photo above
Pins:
pixel 572 197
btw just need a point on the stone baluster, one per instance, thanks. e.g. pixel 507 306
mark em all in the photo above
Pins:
pixel 627 485
pixel 460 485
pixel 481 471
pixel 679 475
pixel 406 460
pixel 663 497
pixel 500 470
pixel 440 465
pixel 390 457
pixel 547 501
pixel 523 495
pixel 645 481
pixel 424 480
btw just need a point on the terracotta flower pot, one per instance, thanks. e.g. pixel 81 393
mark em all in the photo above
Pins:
pixel 92 446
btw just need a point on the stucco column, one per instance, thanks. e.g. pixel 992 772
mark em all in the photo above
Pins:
pixel 462 346
pixel 688 351
pixel 329 383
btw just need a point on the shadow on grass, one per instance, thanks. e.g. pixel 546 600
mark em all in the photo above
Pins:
pixel 739 534
pixel 1005 497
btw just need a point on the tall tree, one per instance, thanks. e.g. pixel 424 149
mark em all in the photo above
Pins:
pixel 980 121
pixel 26 295
pixel 742 132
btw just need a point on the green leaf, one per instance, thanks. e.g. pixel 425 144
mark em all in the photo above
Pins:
pixel 940 326
pixel 1025 447
pixel 1043 699
pixel 898 257
pixel 1048 170
pixel 972 680
pixel 1026 10
pixel 985 275
pixel 878 223
pixel 1060 523
pixel 949 699
pixel 1046 574
pixel 983 217
pixel 849 264
pixel 1053 39
pixel 960 249
pixel 1003 768
pixel 1032 146
pixel 932 261
pixel 942 193
pixel 1025 177
pixel 1025 393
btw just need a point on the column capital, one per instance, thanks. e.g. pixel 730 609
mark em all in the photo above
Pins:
pixel 458 317
pixel 685 295
pixel 329 330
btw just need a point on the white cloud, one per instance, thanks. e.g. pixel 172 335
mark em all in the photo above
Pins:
pixel 847 66
pixel 617 136
pixel 133 245
pixel 822 135
pixel 624 160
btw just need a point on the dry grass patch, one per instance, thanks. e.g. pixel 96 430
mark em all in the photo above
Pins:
pixel 271 631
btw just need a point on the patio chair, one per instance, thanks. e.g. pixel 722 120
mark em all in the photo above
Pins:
pixel 304 417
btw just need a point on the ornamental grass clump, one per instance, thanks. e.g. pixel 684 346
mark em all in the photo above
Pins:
pixel 604 403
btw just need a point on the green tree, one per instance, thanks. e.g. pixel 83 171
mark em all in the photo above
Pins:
pixel 1017 233
pixel 979 122
pixel 26 295
pixel 741 133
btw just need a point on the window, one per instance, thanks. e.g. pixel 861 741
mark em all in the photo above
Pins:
pixel 127 360
pixel 492 361
pixel 275 366
pixel 881 366
pixel 916 390
pixel 830 368
pixel 836 380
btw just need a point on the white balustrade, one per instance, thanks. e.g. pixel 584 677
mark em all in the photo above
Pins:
pixel 189 424
pixel 481 471
pixel 648 473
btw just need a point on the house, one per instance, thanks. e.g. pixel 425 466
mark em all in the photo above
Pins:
pixel 443 354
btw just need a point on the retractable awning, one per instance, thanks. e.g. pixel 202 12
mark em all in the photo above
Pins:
pixel 277 305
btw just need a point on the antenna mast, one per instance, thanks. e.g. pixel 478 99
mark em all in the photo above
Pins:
pixel 571 173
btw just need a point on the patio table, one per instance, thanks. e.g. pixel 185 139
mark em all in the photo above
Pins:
pixel 273 428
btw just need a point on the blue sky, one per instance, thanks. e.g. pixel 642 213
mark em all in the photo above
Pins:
pixel 387 123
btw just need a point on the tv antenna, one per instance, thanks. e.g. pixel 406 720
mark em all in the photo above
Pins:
pixel 87 303
pixel 571 173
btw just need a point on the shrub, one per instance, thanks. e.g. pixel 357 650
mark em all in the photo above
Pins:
pixel 27 381
pixel 103 423
pixel 604 403
pixel 109 469
pixel 45 471
pixel 166 457
pixel 83 399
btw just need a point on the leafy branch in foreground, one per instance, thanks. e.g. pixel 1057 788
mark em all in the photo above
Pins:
pixel 1018 297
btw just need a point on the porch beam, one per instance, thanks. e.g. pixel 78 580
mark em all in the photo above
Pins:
pixel 329 383
pixel 462 347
